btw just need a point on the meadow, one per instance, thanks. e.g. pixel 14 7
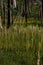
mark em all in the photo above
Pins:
pixel 19 45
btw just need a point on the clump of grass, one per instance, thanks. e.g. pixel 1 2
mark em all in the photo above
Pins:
pixel 19 45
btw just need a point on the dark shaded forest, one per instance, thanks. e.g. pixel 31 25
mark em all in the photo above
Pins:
pixel 12 9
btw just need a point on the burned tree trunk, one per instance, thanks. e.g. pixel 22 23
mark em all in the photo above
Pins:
pixel 4 12
pixel 8 23
pixel 25 2
pixel 12 12
pixel 41 13
pixel 42 8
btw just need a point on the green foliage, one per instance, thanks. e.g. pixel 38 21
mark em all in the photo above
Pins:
pixel 34 10
pixel 19 45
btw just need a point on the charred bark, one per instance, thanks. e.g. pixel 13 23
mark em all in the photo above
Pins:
pixel 4 12
pixel 8 23
pixel 42 8
pixel 12 12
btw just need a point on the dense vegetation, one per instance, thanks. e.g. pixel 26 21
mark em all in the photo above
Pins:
pixel 33 7
pixel 19 45
pixel 22 42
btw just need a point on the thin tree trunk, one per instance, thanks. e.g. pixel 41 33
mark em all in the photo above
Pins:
pixel 41 15
pixel 42 8
pixel 8 23
pixel 1 10
pixel 12 11
pixel 4 12
pixel 25 6
pixel 42 12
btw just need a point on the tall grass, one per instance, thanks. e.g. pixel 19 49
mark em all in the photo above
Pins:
pixel 19 45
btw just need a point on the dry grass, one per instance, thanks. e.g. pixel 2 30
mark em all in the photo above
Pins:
pixel 19 44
